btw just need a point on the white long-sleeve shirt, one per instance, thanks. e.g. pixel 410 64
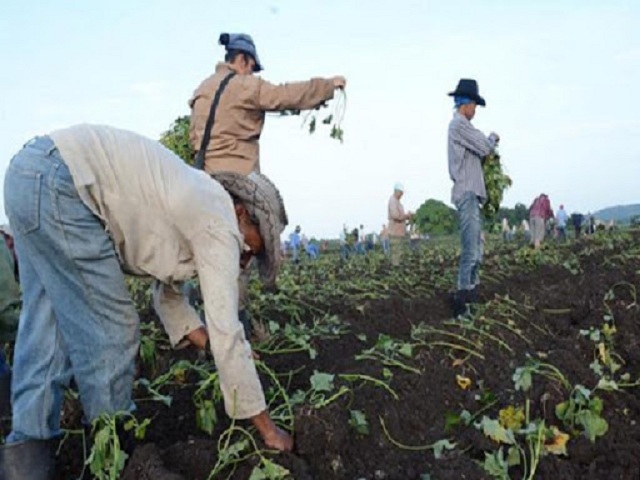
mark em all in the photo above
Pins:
pixel 171 222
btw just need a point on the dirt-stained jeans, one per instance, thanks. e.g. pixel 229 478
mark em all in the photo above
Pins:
pixel 77 317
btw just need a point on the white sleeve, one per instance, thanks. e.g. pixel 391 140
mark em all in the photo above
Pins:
pixel 217 254
pixel 177 316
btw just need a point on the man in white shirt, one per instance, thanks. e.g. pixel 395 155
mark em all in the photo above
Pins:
pixel 85 202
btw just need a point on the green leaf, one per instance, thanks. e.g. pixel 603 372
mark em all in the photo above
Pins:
pixel 495 465
pixel 358 420
pixel 406 350
pixel 442 445
pixel 513 456
pixel 522 378
pixel 322 382
pixel 495 431
pixel 593 424
pixel 233 451
pixel 269 470
pixel 562 410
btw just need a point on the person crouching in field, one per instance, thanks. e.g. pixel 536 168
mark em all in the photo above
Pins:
pixel 86 201
pixel 467 147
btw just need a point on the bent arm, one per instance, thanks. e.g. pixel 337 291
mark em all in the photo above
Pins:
pixel 217 254
pixel 473 139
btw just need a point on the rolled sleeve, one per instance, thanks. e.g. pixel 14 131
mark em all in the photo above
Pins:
pixel 176 315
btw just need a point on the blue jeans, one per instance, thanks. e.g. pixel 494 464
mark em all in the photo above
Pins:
pixel 470 236
pixel 77 318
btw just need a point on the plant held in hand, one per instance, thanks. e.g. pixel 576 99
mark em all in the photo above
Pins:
pixel 496 182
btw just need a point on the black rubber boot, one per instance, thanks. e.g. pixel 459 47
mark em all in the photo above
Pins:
pixel 459 304
pixel 472 296
pixel 245 319
pixel 5 394
pixel 28 460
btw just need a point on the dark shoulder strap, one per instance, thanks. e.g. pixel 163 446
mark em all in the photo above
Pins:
pixel 206 137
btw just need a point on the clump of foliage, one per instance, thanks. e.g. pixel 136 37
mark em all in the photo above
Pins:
pixel 435 217
pixel 496 182
pixel 176 139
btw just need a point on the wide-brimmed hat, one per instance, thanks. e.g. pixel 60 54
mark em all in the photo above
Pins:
pixel 468 88
pixel 264 203
pixel 243 43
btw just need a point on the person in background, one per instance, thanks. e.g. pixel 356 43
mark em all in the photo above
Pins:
pixel 576 221
pixel 561 223
pixel 526 231
pixel 467 147
pixel 384 239
pixel 239 116
pixel 539 213
pixel 312 249
pixel 397 224
pixel 505 229
pixel 110 201
pixel 9 311
pixel 295 241
pixel 344 247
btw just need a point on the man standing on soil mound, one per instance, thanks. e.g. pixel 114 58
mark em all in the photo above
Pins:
pixel 85 201
pixel 228 112
pixel 467 147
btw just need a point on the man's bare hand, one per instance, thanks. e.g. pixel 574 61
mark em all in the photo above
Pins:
pixel 272 436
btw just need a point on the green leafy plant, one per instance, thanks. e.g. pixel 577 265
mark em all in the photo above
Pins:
pixel 496 182
pixel 583 409
pixel 358 421
pixel 107 459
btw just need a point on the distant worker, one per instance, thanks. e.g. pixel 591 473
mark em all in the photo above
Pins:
pixel 539 213
pixel 561 223
pixel 397 224
pixel 576 220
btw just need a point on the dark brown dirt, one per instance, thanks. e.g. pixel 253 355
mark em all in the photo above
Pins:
pixel 557 304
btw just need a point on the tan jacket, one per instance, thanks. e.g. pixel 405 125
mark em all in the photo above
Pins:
pixel 397 218
pixel 171 222
pixel 240 115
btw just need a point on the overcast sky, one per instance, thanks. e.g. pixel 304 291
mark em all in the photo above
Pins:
pixel 560 79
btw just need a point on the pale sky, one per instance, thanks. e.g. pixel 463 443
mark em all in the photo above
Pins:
pixel 560 79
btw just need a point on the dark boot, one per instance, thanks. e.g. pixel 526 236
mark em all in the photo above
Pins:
pixel 472 296
pixel 245 319
pixel 5 394
pixel 28 460
pixel 459 303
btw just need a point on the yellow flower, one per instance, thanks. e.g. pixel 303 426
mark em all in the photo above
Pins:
pixel 463 382
pixel 558 444
pixel 511 417
pixel 602 352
